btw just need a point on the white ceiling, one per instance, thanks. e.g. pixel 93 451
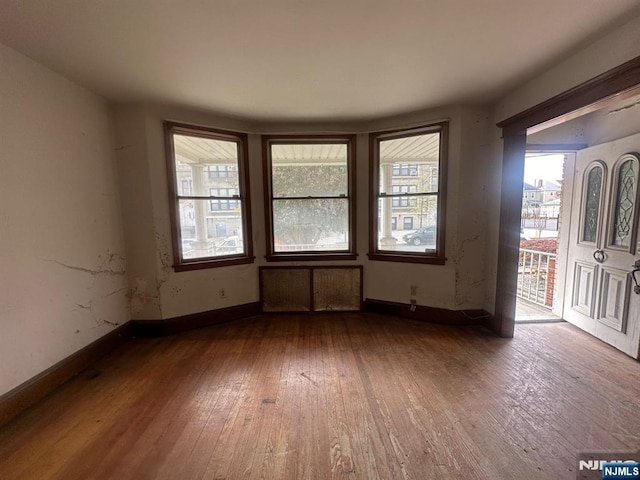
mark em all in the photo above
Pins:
pixel 304 59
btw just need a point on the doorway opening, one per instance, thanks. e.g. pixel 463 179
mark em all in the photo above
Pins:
pixel 588 280
pixel 603 91
pixel 538 283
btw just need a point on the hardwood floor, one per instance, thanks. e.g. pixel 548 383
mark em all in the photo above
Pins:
pixel 358 396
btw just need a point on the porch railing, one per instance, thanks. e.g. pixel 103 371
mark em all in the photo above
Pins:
pixel 536 277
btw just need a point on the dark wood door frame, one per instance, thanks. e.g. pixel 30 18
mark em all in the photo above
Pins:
pixel 605 89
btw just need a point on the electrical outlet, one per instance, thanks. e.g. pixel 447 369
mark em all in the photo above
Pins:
pixel 413 290
pixel 222 293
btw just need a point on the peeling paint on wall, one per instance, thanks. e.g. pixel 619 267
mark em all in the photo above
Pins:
pixel 101 270
pixel 164 260
pixel 66 274
pixel 102 321
pixel 85 307
pixel 458 256
pixel 115 292
pixel 470 274
pixel 622 109
pixel 139 296
pixel 110 264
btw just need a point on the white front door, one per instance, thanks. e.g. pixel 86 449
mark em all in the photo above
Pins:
pixel 603 244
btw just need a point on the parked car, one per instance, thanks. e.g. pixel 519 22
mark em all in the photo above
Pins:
pixel 420 236
pixel 230 245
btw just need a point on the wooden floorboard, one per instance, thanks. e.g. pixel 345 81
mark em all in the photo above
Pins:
pixel 342 396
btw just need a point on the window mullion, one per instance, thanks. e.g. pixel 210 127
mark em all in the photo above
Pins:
pixel 339 197
pixel 389 195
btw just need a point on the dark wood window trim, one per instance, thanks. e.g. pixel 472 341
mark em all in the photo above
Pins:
pixel 610 87
pixel 180 264
pixel 432 258
pixel 325 255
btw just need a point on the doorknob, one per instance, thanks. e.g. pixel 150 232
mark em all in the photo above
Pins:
pixel 599 256
pixel 636 268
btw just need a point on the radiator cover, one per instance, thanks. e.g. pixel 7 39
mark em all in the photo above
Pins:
pixel 305 289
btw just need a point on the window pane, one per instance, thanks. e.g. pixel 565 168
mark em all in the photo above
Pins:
pixel 418 225
pixel 625 201
pixel 203 163
pixel 185 188
pixel 309 170
pixel 223 203
pixel 210 234
pixel 410 161
pixel 311 225
pixel 592 205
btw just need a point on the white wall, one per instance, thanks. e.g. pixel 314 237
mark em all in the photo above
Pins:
pixel 613 123
pixel 607 52
pixel 137 207
pixel 573 132
pixel 63 273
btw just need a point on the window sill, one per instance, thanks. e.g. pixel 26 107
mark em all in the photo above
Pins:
pixel 310 257
pixel 222 262
pixel 407 258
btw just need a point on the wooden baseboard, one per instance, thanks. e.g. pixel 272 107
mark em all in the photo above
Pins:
pixel 30 392
pixel 160 328
pixel 428 314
